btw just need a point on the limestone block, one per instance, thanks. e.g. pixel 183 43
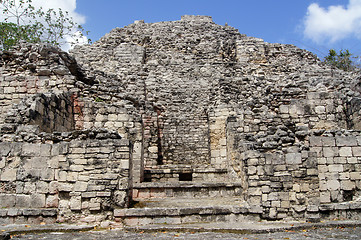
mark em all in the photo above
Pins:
pixel 284 109
pixel 305 187
pixel 124 164
pixel 293 110
pixel 293 158
pixel 9 90
pixel 255 191
pixel 77 150
pixel 338 160
pixel 23 201
pixel 60 148
pixel 347 185
pixel 328 141
pixel 264 198
pixel 42 187
pixel 153 149
pixel 312 208
pixel 330 152
pixel 315 141
pixel 317 151
pixel 88 194
pixel 325 197
pixel 322 168
pixel 53 187
pixel 358 138
pixel 356 151
pixel 62 176
pixel 335 168
pixel 72 176
pixel 83 177
pixel 276 204
pixel 312 172
pixel 352 160
pixel 94 206
pixel 355 175
pixel 103 194
pixel 345 152
pixel 223 152
pixel 252 162
pixel 285 204
pixel 252 170
pixel 53 162
pixel 13 212
pixel 8 174
pixel 37 201
pixel 333 185
pixel 344 176
pixel 52 201
pixel 47 174
pixel 45 150
pixel 65 187
pixel 95 187
pixel 320 109
pixel 7 200
pixel 323 185
pixel 30 150
pixel 273 213
pixel 80 186
pixel 75 203
pixel 5 148
pixel 346 141
pixel 76 168
pixel 322 160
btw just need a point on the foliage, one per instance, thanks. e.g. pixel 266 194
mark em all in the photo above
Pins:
pixel 25 23
pixel 341 60
pixel 10 34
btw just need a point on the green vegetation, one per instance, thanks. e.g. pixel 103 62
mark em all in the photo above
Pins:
pixel 341 60
pixel 22 22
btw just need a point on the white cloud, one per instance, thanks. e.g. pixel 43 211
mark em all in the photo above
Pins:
pixel 66 5
pixel 334 23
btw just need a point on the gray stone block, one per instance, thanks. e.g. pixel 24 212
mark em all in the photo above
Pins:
pixel 7 200
pixel 328 141
pixel 316 141
pixel 23 201
pixel 293 158
pixel 349 141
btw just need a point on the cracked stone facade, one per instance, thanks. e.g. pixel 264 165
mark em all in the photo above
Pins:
pixel 186 100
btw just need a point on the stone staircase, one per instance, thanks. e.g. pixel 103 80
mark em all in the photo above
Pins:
pixel 186 202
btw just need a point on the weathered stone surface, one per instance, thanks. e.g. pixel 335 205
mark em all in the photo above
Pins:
pixel 176 102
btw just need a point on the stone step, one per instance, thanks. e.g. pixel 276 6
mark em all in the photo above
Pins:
pixel 28 215
pixel 188 214
pixel 148 190
pixel 186 202
pixel 190 202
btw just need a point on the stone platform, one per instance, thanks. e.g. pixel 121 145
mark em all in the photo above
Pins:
pixel 187 202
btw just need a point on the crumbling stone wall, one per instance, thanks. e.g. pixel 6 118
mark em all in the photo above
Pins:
pixel 187 100
pixel 85 176
pixel 338 160
pixel 58 163
pixel 225 101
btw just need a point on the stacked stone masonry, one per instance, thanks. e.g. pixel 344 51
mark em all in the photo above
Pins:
pixel 83 133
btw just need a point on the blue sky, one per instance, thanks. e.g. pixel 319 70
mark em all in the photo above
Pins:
pixel 281 21
pixel 315 25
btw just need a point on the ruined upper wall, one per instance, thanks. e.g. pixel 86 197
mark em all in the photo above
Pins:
pixel 192 97
pixel 188 76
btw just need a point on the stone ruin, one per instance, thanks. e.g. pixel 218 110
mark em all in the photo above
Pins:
pixel 177 122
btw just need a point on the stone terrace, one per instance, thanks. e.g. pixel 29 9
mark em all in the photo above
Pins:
pixel 177 122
